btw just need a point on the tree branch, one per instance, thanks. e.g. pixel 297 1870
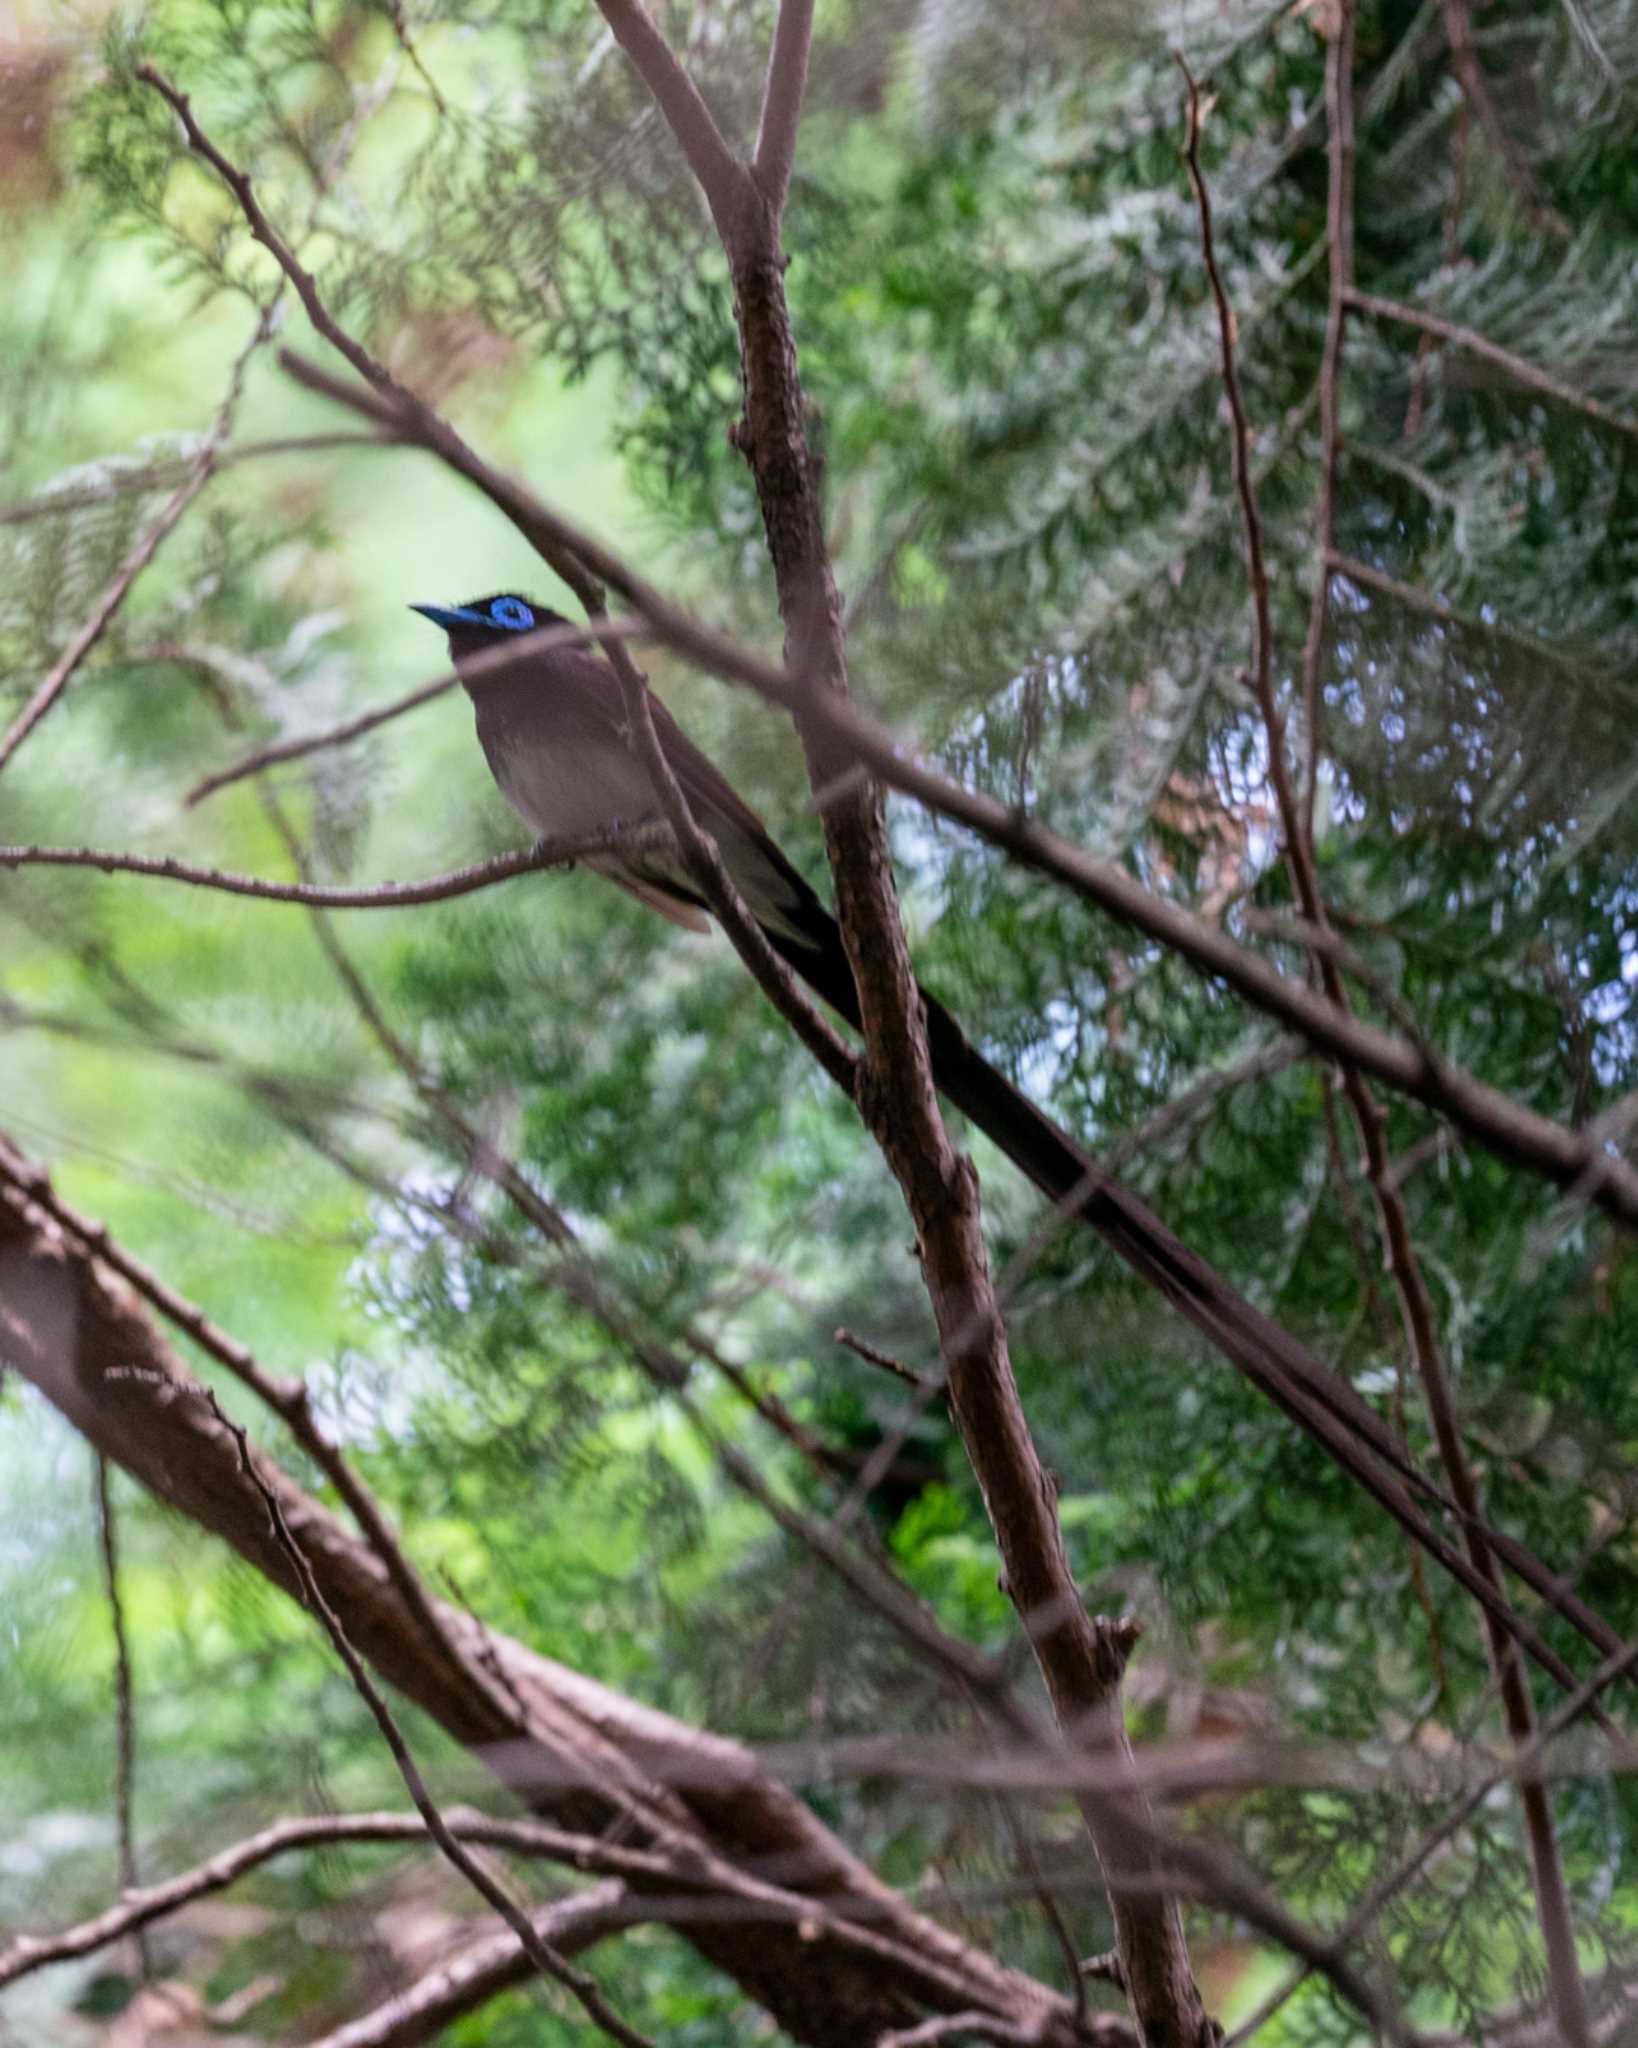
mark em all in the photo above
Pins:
pixel 782 97
pixel 484 874
pixel 1464 60
pixel 48 503
pixel 1339 121
pixel 592 1757
pixel 124 1707
pixel 481 1969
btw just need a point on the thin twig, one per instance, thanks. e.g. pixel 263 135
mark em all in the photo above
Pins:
pixel 873 1354
pixel 973 2026
pixel 1464 60
pixel 1339 121
pixel 141 554
pixel 560 852
pixel 1519 368
pixel 124 1706
pixel 48 503
pixel 1262 632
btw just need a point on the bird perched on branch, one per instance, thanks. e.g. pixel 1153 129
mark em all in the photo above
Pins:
pixel 553 728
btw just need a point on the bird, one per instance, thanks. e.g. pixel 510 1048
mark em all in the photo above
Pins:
pixel 553 730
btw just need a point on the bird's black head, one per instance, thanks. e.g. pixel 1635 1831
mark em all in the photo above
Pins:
pixel 488 621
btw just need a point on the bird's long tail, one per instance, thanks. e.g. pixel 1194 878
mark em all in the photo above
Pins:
pixel 1320 1400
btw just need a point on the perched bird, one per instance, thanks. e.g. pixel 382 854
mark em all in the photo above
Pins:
pixel 552 725
pixel 553 730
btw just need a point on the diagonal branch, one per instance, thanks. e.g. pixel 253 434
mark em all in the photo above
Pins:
pixel 1465 62
pixel 1519 368
pixel 481 1969
pixel 782 97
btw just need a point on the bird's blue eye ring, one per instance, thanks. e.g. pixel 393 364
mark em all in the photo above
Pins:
pixel 513 612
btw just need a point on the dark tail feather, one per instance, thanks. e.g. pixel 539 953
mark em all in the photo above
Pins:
pixel 1066 1173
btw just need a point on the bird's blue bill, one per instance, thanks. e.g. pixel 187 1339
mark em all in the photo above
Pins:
pixel 450 615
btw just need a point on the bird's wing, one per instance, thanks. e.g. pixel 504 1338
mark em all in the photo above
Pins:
pixel 775 891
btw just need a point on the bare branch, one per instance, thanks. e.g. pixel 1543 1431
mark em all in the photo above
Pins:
pixel 873 1354
pixel 481 1969
pixel 956 2026
pixel 138 1910
pixel 1262 631
pixel 49 503
pixel 1520 1765
pixel 483 874
pixel 1519 368
pixel 782 97
pixel 1464 59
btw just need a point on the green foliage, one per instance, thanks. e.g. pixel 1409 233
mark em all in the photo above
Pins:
pixel 1012 357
